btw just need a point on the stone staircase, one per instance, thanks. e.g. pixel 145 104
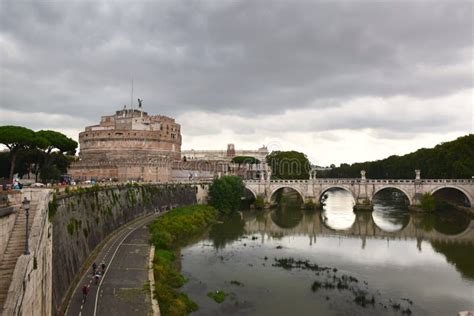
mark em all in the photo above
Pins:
pixel 14 249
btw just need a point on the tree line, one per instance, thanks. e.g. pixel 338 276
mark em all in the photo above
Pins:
pixel 46 153
pixel 449 160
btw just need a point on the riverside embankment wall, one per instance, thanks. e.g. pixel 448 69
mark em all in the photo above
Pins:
pixel 82 220
pixel 66 228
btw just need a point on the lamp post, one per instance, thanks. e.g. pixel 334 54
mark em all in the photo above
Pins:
pixel 26 206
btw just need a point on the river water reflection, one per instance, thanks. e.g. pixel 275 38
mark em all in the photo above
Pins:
pixel 398 261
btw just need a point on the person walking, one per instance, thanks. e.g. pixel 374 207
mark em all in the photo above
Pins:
pixel 97 277
pixel 94 268
pixel 85 291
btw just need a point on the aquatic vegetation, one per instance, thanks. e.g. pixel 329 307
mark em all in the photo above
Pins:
pixel 235 282
pixel 363 300
pixel 331 280
pixel 218 296
pixel 316 285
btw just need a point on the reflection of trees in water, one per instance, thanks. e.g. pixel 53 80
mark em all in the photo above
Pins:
pixel 451 222
pixel 444 222
pixel 459 255
pixel 231 229
pixel 287 217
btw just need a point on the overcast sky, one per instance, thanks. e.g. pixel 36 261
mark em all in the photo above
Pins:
pixel 341 81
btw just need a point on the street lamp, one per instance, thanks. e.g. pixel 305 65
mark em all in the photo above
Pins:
pixel 26 206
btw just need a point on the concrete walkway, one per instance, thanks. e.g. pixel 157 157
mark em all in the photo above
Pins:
pixel 121 290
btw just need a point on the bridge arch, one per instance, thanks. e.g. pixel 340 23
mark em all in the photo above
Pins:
pixel 410 199
pixel 466 194
pixel 324 190
pixel 251 191
pixel 274 190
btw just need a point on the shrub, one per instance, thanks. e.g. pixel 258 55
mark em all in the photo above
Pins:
pixel 428 202
pixel 310 205
pixel 259 202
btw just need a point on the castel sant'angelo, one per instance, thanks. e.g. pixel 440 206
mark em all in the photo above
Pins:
pixel 128 145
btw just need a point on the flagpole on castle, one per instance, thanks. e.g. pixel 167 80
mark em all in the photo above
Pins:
pixel 131 99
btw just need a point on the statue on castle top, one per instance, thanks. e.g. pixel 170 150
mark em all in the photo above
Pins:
pixel 140 103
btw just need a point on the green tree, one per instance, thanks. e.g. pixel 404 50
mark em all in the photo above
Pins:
pixel 289 165
pixel 55 159
pixel 58 141
pixel 225 193
pixel 18 138
pixel 453 159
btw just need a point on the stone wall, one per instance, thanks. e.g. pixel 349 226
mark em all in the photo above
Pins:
pixel 7 220
pixel 82 220
pixel 30 290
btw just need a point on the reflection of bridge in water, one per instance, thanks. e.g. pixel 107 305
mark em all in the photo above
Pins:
pixel 312 225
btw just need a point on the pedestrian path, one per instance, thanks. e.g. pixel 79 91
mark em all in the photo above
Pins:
pixel 121 289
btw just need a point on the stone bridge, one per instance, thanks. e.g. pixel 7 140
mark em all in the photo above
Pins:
pixel 363 190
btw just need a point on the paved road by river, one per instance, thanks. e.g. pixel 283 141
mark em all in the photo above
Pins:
pixel 121 290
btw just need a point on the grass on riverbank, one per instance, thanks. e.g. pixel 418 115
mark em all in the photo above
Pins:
pixel 168 234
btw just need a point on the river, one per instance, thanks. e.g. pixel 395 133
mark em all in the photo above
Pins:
pixel 288 261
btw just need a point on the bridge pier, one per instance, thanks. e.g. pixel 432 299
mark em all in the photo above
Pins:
pixel 363 199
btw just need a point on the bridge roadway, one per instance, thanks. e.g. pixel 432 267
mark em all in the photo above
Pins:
pixel 363 190
pixel 121 289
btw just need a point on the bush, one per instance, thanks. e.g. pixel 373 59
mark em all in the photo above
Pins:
pixel 310 205
pixel 225 193
pixel 428 202
pixel 259 202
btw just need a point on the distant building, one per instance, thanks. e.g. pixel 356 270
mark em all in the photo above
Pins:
pixel 129 145
pixel 224 155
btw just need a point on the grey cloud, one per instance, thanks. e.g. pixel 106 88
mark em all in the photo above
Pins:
pixel 239 57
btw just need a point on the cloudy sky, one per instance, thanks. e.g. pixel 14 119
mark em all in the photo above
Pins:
pixel 341 81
